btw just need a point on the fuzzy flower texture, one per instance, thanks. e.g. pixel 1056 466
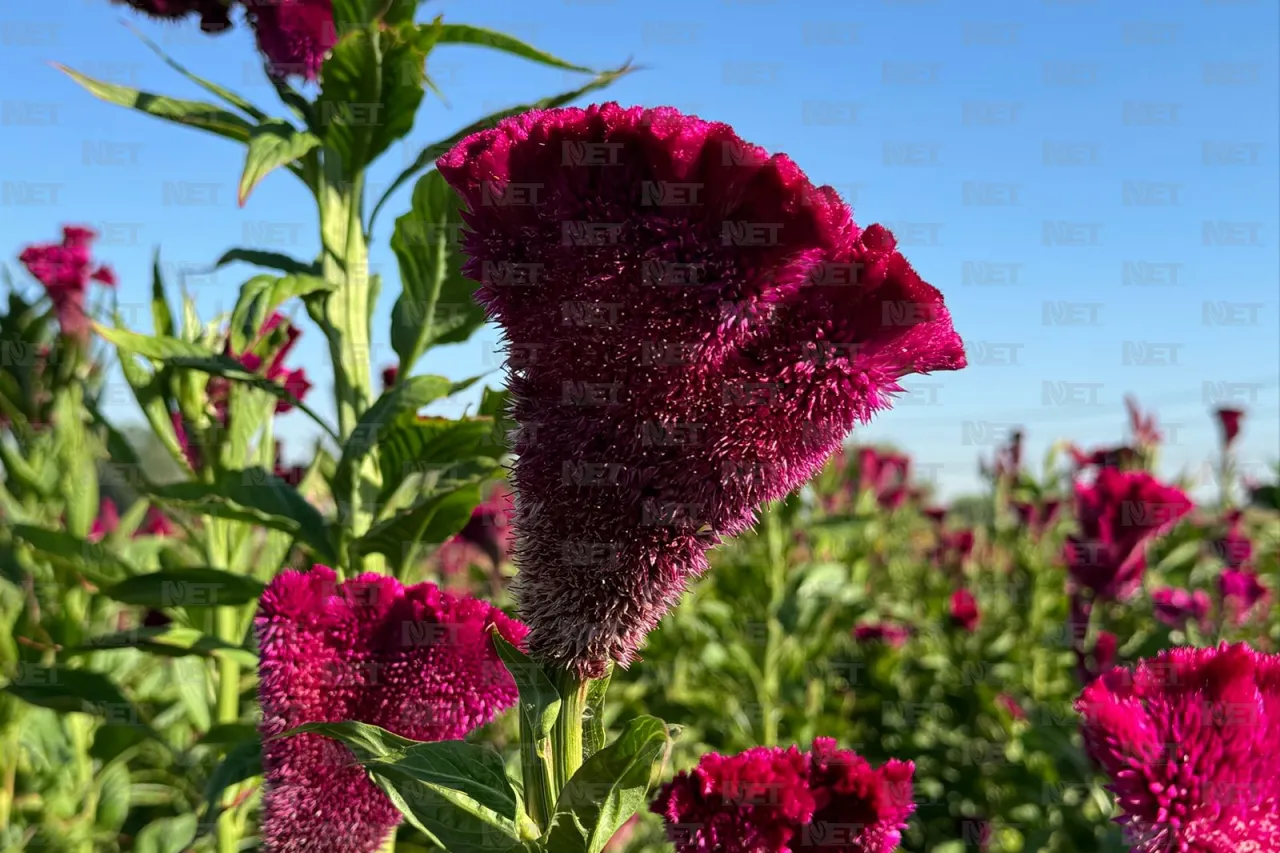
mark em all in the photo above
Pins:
pixel 692 329
pixel 771 800
pixel 414 660
pixel 66 271
pixel 1191 741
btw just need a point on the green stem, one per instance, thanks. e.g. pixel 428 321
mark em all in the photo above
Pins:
pixel 567 737
pixel 768 687
pixel 535 765
pixel 227 628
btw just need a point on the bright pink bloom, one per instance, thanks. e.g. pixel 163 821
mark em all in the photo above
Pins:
pixel 294 35
pixel 1191 741
pixel 156 523
pixel 889 633
pixel 107 521
pixel 295 381
pixel 489 527
pixel 1012 705
pixel 1241 592
pixel 414 660
pixel 1229 421
pixel 964 610
pixel 774 800
pixel 66 270
pixel 756 317
pixel 1118 515
pixel 213 14
pixel 1175 606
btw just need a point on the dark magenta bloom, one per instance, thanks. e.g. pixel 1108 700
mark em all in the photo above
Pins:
pixel 1234 547
pixel 1176 607
pixel 774 800
pixel 964 610
pixel 1118 514
pixel 214 15
pixel 891 634
pixel 414 660
pixel 1229 421
pixel 156 523
pixel 295 381
pixel 1241 592
pixel 389 376
pixel 692 330
pixel 66 271
pixel 1143 428
pixel 294 35
pixel 936 514
pixel 1191 741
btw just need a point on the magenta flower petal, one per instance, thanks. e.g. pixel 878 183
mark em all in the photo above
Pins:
pixel 964 610
pixel 692 329
pixel 294 35
pixel 1191 741
pixel 65 270
pixel 414 660
pixel 774 800
pixel 1175 606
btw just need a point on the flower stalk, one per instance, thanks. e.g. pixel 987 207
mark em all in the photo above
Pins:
pixel 567 736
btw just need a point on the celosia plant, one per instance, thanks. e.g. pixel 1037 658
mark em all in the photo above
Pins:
pixel 670 277
pixel 66 270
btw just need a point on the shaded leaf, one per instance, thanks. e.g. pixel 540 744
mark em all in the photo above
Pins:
pixel 272 144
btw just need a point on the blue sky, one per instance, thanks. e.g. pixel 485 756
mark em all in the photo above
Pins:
pixel 1093 185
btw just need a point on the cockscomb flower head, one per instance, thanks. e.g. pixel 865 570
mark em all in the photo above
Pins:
pixel 1191 741
pixel 414 660
pixel 66 271
pixel 1176 607
pixel 214 15
pixel 272 368
pixel 891 634
pixel 1118 514
pixel 1234 547
pixel 1229 421
pixel 1241 592
pixel 964 610
pixel 774 800
pixel 294 35
pixel 692 329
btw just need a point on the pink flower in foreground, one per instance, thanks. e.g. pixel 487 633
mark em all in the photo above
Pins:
pixel 66 271
pixel 964 610
pixel 1191 741
pixel 672 279
pixel 294 35
pixel 414 660
pixel 1118 515
pixel 1241 592
pixel 1175 606
pixel 892 635
pixel 1229 422
pixel 107 521
pixel 213 14
pixel 774 800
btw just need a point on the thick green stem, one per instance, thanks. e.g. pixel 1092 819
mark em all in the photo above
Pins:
pixel 768 688
pixel 227 627
pixel 539 778
pixel 568 730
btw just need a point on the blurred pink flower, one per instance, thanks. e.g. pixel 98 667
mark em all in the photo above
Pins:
pixel 214 14
pixel 1241 592
pixel 65 270
pixel 757 318
pixel 107 521
pixel 414 660
pixel 1175 606
pixel 1012 705
pixel 1191 741
pixel 964 610
pixel 389 376
pixel 889 633
pixel 1229 421
pixel 156 523
pixel 294 35
pixel 1118 515
pixel 1234 546
pixel 1143 428
pixel 774 800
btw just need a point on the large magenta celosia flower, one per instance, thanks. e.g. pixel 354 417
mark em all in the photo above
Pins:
pixel 1118 514
pixel 66 270
pixel 774 800
pixel 294 35
pixel 692 329
pixel 414 660
pixel 1191 741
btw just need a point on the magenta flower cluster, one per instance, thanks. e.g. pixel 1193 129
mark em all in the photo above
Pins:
pixel 66 271
pixel 774 800
pixel 692 329
pixel 414 660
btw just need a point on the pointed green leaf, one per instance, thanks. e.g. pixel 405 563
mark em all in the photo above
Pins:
pixel 212 88
pixel 69 691
pixel 414 445
pixel 161 316
pixel 186 587
pixel 172 641
pixel 272 144
pixel 197 114
pixel 93 560
pixel 593 716
pixel 428 155
pixel 480 37
pixel 609 788
pixel 430 521
pixel 269 260
pixel 261 295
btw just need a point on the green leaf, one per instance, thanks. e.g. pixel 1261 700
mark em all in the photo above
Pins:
pixel 190 675
pixel 166 835
pixel 113 796
pixel 170 641
pixel 261 295
pixel 593 715
pixel 371 89
pixel 539 700
pixel 413 445
pixel 428 155
pixel 229 734
pixel 256 496
pixel 243 761
pixel 95 561
pixel 16 468
pixel 78 484
pixel 437 305
pixel 272 144
pixel 70 691
pixel 270 260
pixel 609 788
pixel 197 114
pixel 456 792
pixel 407 396
pixel 187 587
pixel 212 88
pixel 430 521
pixel 480 37
pixel 161 316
